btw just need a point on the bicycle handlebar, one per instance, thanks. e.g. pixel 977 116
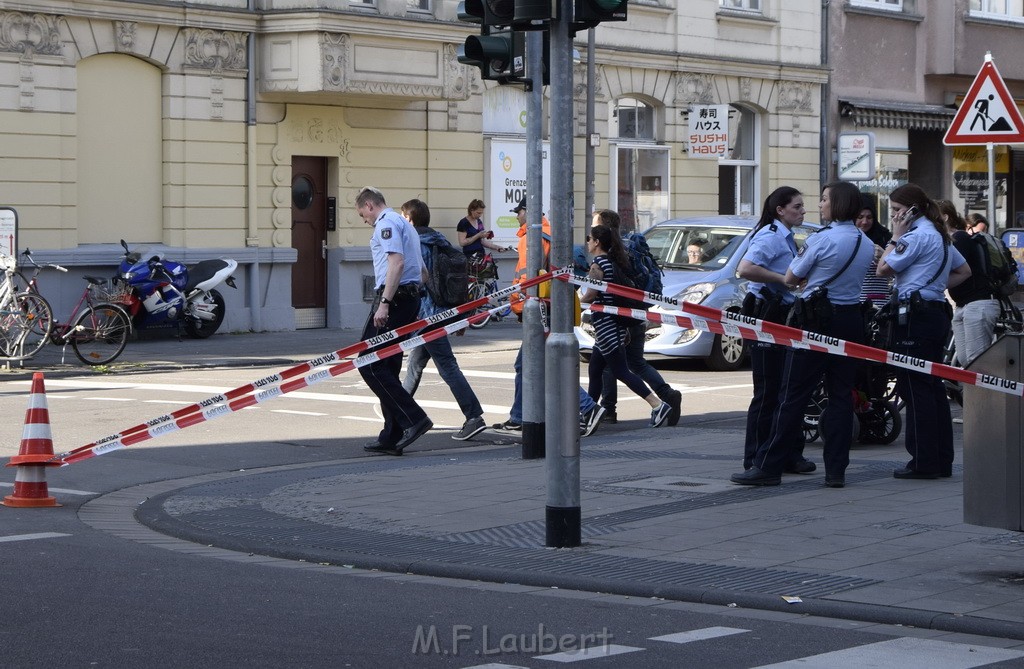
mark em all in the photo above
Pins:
pixel 28 255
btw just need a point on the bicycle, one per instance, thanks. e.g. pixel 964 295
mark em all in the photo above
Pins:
pixel 97 331
pixel 483 281
pixel 25 318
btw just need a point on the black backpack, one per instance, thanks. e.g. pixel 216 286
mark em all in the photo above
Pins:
pixel 646 272
pixel 1000 267
pixel 448 278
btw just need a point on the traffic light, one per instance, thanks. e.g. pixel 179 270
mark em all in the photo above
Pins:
pixel 500 55
pixel 532 14
pixel 588 13
pixel 488 13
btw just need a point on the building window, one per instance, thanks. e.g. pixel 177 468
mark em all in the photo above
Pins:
pixel 418 6
pixel 745 5
pixel 894 5
pixel 738 173
pixel 363 3
pixel 639 166
pixel 1000 9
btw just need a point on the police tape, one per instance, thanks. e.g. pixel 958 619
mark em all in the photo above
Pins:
pixel 265 388
pixel 710 319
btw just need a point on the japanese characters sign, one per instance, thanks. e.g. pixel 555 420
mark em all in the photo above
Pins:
pixel 709 131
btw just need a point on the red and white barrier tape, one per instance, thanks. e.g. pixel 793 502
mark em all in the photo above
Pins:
pixel 240 397
pixel 732 324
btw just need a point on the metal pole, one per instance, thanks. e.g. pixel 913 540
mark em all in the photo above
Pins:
pixel 562 514
pixel 588 203
pixel 533 328
pixel 993 226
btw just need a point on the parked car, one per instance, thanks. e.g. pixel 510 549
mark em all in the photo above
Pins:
pixel 708 278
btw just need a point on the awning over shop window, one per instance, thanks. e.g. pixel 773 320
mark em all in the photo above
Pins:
pixel 898 115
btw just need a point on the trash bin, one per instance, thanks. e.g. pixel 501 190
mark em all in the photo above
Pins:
pixel 993 446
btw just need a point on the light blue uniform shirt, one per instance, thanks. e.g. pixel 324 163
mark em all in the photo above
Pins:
pixel 394 234
pixel 773 248
pixel 826 252
pixel 918 256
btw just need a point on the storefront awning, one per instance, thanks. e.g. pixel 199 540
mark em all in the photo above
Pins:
pixel 898 115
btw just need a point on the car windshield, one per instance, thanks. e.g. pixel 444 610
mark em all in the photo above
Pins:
pixel 697 246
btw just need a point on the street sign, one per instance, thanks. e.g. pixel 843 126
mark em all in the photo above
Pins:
pixel 988 113
pixel 856 156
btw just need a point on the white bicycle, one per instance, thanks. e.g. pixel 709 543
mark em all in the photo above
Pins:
pixel 26 319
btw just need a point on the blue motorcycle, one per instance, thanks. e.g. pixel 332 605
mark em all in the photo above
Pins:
pixel 155 291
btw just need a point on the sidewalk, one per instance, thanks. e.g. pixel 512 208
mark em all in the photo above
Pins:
pixel 660 518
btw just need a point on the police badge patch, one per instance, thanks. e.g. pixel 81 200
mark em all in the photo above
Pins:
pixel 900 247
pixel 385 233
pixel 800 253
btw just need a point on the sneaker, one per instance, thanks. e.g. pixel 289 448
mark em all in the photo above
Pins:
pixel 470 429
pixel 509 425
pixel 610 417
pixel 675 400
pixel 590 420
pixel 660 415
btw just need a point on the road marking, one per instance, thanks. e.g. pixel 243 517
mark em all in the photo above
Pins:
pixel 111 399
pixel 62 491
pixel 29 537
pixel 177 402
pixel 698 635
pixel 297 413
pixel 905 653
pixel 589 653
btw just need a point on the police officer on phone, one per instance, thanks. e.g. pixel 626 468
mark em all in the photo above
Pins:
pixel 764 264
pixel 924 263
pixel 830 268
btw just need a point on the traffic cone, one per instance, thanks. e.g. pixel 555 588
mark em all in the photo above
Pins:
pixel 35 453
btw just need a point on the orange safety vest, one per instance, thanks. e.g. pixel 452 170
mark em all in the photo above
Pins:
pixel 517 300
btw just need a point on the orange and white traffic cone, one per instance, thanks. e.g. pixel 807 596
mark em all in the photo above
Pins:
pixel 35 453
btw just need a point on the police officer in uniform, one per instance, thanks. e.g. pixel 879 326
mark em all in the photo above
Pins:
pixel 924 263
pixel 395 249
pixel 764 265
pixel 831 268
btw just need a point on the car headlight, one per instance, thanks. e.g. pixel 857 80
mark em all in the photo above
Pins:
pixel 696 293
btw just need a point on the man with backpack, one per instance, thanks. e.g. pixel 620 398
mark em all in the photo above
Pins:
pixel 434 250
pixel 647 277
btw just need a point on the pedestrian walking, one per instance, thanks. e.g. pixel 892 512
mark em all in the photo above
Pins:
pixel 830 270
pixel 397 272
pixel 634 350
pixel 925 264
pixel 610 264
pixel 772 248
pixel 439 350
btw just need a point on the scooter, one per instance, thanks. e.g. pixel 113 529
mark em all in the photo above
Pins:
pixel 157 291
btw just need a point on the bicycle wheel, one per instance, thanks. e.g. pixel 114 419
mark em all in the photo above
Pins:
pixel 26 325
pixel 100 334
pixel 476 291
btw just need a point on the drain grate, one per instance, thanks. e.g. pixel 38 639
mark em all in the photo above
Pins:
pixel 688 484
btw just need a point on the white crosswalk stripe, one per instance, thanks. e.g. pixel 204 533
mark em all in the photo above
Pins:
pixel 29 537
pixel 698 635
pixel 590 653
pixel 905 653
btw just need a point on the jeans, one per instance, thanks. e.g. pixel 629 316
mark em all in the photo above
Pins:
pixel 638 365
pixel 974 327
pixel 516 414
pixel 614 362
pixel 440 351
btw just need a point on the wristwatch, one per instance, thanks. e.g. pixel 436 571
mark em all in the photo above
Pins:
pixel 385 300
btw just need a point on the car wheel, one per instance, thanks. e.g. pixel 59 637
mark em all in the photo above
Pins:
pixel 727 354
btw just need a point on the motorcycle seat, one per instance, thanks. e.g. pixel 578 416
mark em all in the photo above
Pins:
pixel 203 271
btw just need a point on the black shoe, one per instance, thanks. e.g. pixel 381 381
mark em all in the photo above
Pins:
pixel 801 466
pixel 675 401
pixel 907 473
pixel 508 425
pixel 413 433
pixel 834 481
pixel 381 449
pixel 946 473
pixel 755 476
pixel 610 417
pixel 590 420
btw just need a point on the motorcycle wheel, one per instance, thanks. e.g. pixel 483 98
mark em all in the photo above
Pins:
pixel 197 327
pixel 100 334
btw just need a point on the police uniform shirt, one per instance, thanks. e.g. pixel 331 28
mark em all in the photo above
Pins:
pixel 394 234
pixel 916 259
pixel 824 255
pixel 773 248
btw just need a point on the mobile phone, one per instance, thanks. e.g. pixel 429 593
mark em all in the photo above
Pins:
pixel 911 215
pixel 490 234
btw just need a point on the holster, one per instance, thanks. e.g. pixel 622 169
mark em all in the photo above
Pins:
pixel 813 313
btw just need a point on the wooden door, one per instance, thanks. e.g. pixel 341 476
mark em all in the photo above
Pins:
pixel 309 239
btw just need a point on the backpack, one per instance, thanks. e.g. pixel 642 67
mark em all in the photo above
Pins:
pixel 448 278
pixel 1000 267
pixel 625 278
pixel 646 272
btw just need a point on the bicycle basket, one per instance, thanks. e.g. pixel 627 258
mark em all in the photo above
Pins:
pixel 115 292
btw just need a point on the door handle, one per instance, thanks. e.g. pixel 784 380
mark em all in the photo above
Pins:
pixel 323 249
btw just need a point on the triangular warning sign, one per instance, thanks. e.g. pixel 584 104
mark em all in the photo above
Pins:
pixel 987 114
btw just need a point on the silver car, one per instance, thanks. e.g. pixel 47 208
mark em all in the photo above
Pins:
pixel 699 255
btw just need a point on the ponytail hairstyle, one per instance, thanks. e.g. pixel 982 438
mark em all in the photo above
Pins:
pixel 912 195
pixel 611 243
pixel 780 197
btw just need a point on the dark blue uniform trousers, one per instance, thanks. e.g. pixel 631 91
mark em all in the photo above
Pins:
pixel 929 436
pixel 399 408
pixel 801 374
pixel 767 361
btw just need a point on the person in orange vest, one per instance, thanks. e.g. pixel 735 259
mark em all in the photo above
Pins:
pixel 518 300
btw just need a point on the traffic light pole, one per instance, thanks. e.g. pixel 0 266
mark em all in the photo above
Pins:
pixel 562 513
pixel 533 327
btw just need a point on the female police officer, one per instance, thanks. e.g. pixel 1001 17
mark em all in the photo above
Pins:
pixel 831 267
pixel 764 265
pixel 924 263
